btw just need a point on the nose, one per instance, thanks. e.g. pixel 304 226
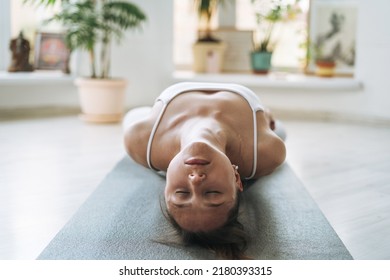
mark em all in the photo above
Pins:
pixel 196 177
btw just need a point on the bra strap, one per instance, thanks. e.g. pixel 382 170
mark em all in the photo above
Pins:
pixel 151 136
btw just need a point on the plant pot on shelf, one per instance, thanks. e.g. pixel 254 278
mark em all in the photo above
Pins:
pixel 325 68
pixel 208 57
pixel 261 62
pixel 101 100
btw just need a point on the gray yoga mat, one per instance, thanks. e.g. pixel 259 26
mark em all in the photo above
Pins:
pixel 122 219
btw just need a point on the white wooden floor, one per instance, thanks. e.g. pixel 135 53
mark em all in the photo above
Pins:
pixel 49 166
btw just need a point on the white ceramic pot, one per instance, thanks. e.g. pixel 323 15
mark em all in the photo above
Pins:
pixel 101 100
pixel 208 57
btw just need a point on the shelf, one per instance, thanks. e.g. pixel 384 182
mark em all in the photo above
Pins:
pixel 273 80
pixel 35 78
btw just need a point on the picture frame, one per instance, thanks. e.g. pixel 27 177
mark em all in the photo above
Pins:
pixel 332 27
pixel 51 52
pixel 239 44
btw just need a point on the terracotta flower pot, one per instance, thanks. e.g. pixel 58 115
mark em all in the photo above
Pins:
pixel 208 57
pixel 101 100
pixel 325 68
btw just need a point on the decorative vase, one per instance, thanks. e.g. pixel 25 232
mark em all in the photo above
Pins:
pixel 261 62
pixel 208 57
pixel 101 100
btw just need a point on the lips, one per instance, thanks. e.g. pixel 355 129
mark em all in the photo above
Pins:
pixel 196 161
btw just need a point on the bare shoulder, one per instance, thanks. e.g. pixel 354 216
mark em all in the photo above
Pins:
pixel 271 153
pixel 137 136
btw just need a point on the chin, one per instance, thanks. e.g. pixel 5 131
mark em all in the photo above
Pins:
pixel 200 148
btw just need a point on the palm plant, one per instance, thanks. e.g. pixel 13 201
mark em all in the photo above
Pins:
pixel 92 23
pixel 207 10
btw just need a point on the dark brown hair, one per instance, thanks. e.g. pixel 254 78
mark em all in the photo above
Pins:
pixel 228 242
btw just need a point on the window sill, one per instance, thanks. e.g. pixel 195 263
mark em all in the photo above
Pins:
pixel 273 80
pixel 35 78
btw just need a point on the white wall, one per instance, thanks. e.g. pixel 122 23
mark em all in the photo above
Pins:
pixel 145 59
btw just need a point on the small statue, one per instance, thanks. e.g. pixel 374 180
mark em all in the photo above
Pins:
pixel 20 48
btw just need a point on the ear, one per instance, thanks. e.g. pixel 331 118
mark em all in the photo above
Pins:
pixel 239 184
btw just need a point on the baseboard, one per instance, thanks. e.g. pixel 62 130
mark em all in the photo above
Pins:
pixel 37 112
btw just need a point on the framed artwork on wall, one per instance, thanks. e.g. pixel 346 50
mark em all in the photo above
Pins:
pixel 51 52
pixel 332 34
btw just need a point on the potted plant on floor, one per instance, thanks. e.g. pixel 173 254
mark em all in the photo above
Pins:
pixel 268 13
pixel 91 25
pixel 208 51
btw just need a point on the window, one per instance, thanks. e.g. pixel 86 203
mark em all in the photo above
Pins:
pixel 185 32
pixel 185 23
pixel 289 53
pixel 29 18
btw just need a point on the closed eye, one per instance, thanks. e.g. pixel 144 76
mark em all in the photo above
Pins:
pixel 182 192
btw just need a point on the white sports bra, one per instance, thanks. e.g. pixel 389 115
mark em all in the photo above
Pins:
pixel 171 92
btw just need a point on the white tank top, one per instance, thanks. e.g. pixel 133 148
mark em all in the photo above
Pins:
pixel 171 92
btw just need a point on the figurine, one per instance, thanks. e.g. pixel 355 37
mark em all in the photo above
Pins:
pixel 20 48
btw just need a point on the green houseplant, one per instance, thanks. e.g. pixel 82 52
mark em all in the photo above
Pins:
pixel 208 51
pixel 268 13
pixel 91 26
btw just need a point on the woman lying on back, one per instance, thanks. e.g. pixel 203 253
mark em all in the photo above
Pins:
pixel 207 138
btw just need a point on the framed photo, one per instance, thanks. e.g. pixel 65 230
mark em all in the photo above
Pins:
pixel 239 44
pixel 51 52
pixel 332 30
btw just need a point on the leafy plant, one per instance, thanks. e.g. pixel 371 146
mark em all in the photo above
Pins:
pixel 268 13
pixel 207 10
pixel 317 53
pixel 92 23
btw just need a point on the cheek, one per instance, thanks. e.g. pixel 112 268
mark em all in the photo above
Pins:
pixel 172 171
pixel 169 190
pixel 174 180
pixel 166 193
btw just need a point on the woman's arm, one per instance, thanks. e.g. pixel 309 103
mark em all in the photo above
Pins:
pixel 271 153
pixel 271 150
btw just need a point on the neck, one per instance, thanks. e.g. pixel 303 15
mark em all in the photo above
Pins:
pixel 206 130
